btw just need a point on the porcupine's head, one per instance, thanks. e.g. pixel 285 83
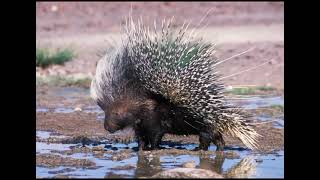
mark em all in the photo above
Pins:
pixel 117 92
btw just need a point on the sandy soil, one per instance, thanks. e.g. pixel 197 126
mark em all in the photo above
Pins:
pixel 65 18
pixel 235 26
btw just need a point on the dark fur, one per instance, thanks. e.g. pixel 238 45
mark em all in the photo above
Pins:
pixel 152 116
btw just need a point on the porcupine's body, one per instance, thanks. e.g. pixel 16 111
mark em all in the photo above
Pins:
pixel 165 82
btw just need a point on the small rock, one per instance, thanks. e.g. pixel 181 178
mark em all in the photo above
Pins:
pixel 259 160
pixel 98 148
pixel 187 173
pixel 60 176
pixel 229 87
pixel 77 109
pixel 54 8
pixel 190 164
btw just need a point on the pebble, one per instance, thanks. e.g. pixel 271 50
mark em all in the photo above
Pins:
pixel 54 8
pixel 187 173
pixel 98 148
pixel 190 164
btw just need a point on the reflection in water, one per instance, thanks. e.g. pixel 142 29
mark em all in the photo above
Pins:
pixel 244 169
pixel 149 165
pixel 212 164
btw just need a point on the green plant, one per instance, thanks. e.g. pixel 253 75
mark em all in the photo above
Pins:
pixel 242 91
pixel 63 81
pixel 250 90
pixel 44 57
pixel 265 88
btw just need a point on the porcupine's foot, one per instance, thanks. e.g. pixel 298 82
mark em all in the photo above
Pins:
pixel 143 143
pixel 155 142
pixel 204 141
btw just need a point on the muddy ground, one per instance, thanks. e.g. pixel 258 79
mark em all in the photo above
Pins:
pixel 85 124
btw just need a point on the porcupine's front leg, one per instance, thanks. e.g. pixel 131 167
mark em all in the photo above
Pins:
pixel 140 133
pixel 142 143
pixel 204 140
pixel 155 141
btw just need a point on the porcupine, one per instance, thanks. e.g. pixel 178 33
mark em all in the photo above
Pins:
pixel 165 82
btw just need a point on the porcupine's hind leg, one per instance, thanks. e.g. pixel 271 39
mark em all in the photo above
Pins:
pixel 217 139
pixel 205 138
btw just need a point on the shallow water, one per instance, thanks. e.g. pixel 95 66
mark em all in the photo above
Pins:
pixel 268 166
pixel 255 102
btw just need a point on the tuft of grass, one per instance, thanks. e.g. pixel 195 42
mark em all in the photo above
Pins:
pixel 242 91
pixel 45 57
pixel 250 90
pixel 64 81
pixel 265 88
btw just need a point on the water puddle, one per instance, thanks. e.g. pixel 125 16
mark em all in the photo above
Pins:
pixel 89 109
pixel 71 92
pixel 277 122
pixel 135 165
pixel 255 102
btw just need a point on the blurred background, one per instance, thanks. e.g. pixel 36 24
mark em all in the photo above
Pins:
pixel 69 35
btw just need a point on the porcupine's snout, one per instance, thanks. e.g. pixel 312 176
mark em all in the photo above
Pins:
pixel 109 126
pixel 117 121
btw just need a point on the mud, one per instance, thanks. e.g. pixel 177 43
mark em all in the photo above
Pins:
pixel 49 160
pixel 109 159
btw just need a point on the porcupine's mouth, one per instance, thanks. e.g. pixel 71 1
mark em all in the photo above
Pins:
pixel 110 127
pixel 114 128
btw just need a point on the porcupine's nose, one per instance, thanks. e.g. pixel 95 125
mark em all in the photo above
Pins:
pixel 109 127
pixel 107 124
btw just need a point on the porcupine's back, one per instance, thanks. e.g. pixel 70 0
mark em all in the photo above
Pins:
pixel 181 68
